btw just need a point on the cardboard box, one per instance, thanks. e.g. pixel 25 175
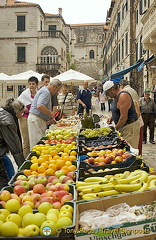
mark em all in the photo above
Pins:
pixel 145 229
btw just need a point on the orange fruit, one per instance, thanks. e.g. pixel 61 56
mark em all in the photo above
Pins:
pixel 71 168
pixel 34 167
pixel 66 158
pixel 44 164
pixel 35 160
pixel 60 164
pixel 40 160
pixel 49 172
pixel 68 163
pixel 56 157
pixel 73 153
pixel 41 169
pixel 33 157
pixel 46 157
pixel 27 172
pixel 34 173
pixel 53 153
pixel 53 166
pixel 72 158
pixel 64 154
pixel 52 161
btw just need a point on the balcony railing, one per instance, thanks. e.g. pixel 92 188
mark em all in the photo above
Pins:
pixel 52 34
pixel 42 67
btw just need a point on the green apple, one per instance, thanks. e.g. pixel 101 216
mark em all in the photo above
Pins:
pixel 21 232
pixel 55 211
pixel 2 217
pixel 31 230
pixel 27 219
pixel 52 228
pixel 13 217
pixel 64 222
pixel 65 214
pixel 59 173
pixel 9 229
pixel 52 217
pixel 4 211
pixel 44 207
pixel 67 207
pixel 38 219
pixel 12 205
pixel 25 209
pixel 1 223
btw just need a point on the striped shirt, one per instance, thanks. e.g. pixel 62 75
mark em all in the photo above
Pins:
pixel 70 103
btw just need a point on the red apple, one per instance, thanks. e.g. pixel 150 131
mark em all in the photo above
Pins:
pixel 46 199
pixel 61 178
pixel 36 198
pixel 66 198
pixel 3 203
pixel 108 160
pixel 118 159
pixel 17 182
pixel 70 181
pixel 51 178
pixel 18 189
pixel 57 205
pixel 71 175
pixel 31 204
pixel 5 195
pixel 39 188
pixel 65 179
pixel 91 161
pixel 53 188
pixel 54 181
pixel 63 187
pixel 15 196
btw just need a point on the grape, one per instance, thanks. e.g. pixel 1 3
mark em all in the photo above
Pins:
pixel 96 132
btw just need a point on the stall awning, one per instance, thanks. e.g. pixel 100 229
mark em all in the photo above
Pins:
pixel 146 62
pixel 126 70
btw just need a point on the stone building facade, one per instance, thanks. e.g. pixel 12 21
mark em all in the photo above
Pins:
pixel 125 40
pixel 88 48
pixel 31 39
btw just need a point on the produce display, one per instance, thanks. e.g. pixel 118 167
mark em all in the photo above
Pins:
pixel 107 156
pixel 19 221
pixel 97 187
pixel 67 122
pixel 61 133
pixel 89 133
pixel 117 214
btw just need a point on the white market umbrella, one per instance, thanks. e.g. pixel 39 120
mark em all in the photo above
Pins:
pixel 24 76
pixel 74 77
pixel 4 76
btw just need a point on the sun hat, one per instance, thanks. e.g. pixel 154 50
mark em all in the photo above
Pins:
pixel 107 85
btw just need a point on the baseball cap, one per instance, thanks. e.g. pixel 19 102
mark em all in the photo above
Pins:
pixel 147 90
pixel 107 85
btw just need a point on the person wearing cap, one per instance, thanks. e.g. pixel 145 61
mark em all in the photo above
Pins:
pixel 148 109
pixel 123 113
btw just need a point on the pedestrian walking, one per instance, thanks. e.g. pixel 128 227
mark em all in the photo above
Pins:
pixel 102 99
pixel 148 110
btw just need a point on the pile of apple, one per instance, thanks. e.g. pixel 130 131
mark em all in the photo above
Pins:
pixel 16 220
pixel 61 133
pixel 59 141
pixel 107 156
pixel 30 191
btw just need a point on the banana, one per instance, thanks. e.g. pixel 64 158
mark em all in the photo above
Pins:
pixel 79 189
pixel 97 188
pixel 119 175
pixel 128 180
pixel 87 190
pixel 81 183
pixel 89 196
pixel 96 179
pixel 151 177
pixel 144 187
pixel 107 193
pixel 136 172
pixel 144 176
pixel 108 186
pixel 152 184
pixel 127 187
pixel 126 174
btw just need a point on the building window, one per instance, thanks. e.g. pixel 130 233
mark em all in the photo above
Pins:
pixel 145 3
pixel 123 11
pixel 126 5
pixel 21 88
pixel 136 17
pixel 49 55
pixel 41 23
pixel 81 28
pixel 20 23
pixel 123 48
pixel 52 27
pixel 81 38
pixel 140 7
pixel 100 38
pixel 91 54
pixel 119 52
pixel 10 88
pixel 141 48
pixel 118 19
pixel 90 27
pixel 99 27
pixel 20 54
pixel 126 43
pixel 136 51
